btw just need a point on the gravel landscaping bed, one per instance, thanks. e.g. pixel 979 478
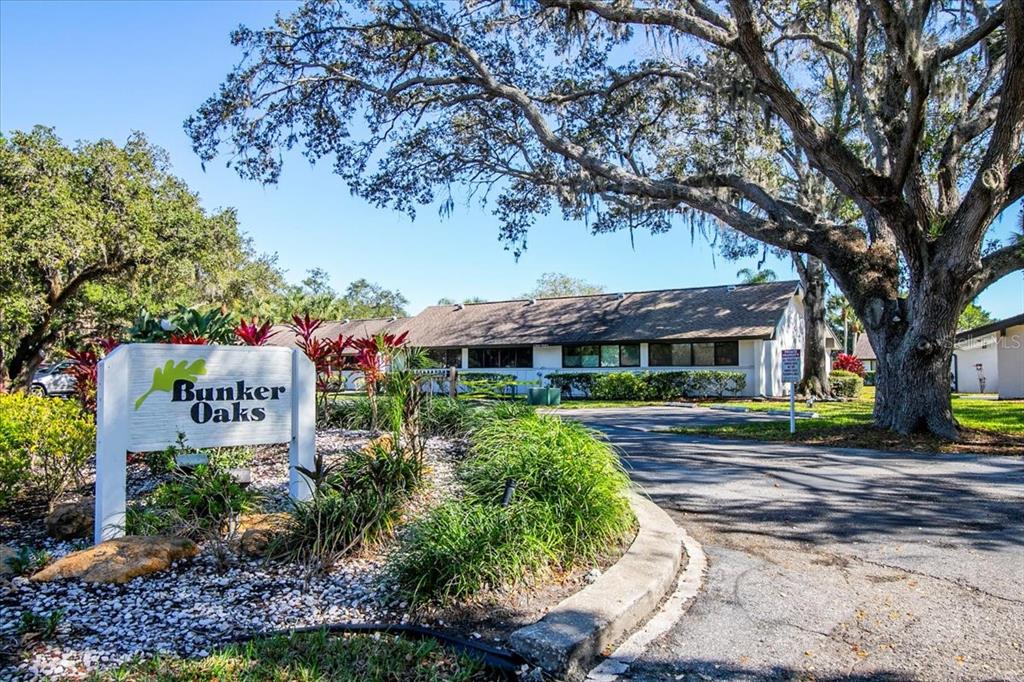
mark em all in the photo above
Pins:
pixel 195 605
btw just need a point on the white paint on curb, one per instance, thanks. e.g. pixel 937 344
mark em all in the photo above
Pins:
pixel 690 582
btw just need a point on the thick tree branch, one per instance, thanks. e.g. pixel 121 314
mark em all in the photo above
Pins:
pixel 997 265
pixel 969 40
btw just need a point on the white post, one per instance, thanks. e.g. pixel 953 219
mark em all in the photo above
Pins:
pixel 111 446
pixel 792 407
pixel 302 448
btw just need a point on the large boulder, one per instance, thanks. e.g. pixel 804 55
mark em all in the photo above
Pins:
pixel 257 532
pixel 71 520
pixel 120 560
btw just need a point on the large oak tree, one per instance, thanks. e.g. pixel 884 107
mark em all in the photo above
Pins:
pixel 90 234
pixel 641 113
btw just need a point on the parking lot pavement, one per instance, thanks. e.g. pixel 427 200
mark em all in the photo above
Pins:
pixel 829 563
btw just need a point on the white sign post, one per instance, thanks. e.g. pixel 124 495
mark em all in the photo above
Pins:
pixel 791 373
pixel 147 394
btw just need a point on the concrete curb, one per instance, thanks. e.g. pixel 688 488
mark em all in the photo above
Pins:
pixel 571 637
pixel 691 579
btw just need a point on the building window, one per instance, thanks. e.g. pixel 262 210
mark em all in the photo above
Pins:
pixel 727 353
pixel 605 355
pixel 707 354
pixel 505 358
pixel 669 355
pixel 446 357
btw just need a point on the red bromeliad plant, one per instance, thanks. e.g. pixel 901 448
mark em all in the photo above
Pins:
pixel 327 355
pixel 85 369
pixel 372 356
pixel 850 363
pixel 188 340
pixel 253 334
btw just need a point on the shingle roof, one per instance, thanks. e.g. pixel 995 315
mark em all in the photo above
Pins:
pixel 743 311
pixel 862 348
pixel 331 330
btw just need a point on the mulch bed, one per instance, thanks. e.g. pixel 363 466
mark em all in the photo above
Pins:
pixel 196 604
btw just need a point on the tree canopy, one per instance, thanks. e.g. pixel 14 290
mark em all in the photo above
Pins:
pixel 315 295
pixel 905 117
pixel 91 233
pixel 553 284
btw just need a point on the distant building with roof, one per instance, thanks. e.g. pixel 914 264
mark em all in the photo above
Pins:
pixel 990 359
pixel 738 328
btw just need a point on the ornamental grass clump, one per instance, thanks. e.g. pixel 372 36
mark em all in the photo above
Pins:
pixel 569 506
pixel 558 464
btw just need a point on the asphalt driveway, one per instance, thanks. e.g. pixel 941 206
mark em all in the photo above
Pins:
pixel 833 563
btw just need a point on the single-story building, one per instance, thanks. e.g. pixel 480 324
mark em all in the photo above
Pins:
pixel 990 359
pixel 863 351
pixel 739 328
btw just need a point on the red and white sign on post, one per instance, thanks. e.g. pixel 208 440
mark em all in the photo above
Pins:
pixel 791 373
pixel 147 394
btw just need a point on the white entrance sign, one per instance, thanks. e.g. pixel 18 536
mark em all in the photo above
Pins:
pixel 791 374
pixel 216 395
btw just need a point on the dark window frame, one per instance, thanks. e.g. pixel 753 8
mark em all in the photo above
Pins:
pixel 446 357
pixel 502 357
pixel 577 357
pixel 724 349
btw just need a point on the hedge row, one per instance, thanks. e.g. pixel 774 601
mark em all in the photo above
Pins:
pixel 845 384
pixel 650 385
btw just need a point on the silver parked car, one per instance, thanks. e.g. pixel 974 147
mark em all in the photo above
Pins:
pixel 54 380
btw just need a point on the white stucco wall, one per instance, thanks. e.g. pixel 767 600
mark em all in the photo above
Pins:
pixel 1010 357
pixel 971 352
pixel 789 333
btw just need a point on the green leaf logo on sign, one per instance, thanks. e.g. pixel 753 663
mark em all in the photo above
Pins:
pixel 163 379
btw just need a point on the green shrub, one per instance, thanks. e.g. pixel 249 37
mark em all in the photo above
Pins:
pixel 197 503
pixel 33 626
pixel 356 503
pixel 463 547
pixel 28 560
pixel 44 443
pixel 560 464
pixel 869 378
pixel 620 386
pixel 573 382
pixel 845 384
pixel 449 418
pixel 694 383
pixel 569 505
pixel 355 414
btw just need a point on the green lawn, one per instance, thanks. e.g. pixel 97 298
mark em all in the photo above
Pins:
pixel 312 657
pixel 992 425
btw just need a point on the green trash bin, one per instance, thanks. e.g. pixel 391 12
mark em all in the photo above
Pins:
pixel 554 396
pixel 536 396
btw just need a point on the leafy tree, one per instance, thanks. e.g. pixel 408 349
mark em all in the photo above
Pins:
pixel 738 112
pixel 553 284
pixel 973 316
pixel 748 276
pixel 844 321
pixel 316 297
pixel 92 233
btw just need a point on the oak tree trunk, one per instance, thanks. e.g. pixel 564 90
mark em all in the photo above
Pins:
pixel 815 371
pixel 913 341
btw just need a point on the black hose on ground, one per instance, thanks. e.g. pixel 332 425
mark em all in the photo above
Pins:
pixel 506 663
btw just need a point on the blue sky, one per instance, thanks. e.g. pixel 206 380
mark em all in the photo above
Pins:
pixel 104 69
